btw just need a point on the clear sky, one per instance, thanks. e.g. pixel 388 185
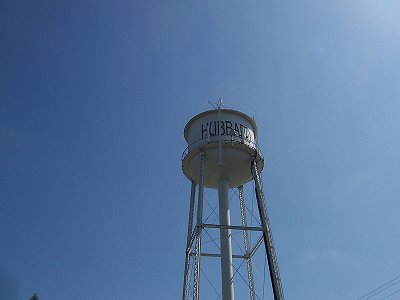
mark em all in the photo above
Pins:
pixel 94 96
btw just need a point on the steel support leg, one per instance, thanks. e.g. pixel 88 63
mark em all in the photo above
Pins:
pixel 246 244
pixel 196 287
pixel 185 294
pixel 267 235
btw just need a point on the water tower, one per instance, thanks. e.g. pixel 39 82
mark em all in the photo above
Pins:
pixel 222 155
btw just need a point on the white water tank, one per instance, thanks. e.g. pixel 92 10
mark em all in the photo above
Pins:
pixel 228 139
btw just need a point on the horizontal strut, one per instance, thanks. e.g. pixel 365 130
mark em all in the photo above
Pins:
pixel 234 227
pixel 218 255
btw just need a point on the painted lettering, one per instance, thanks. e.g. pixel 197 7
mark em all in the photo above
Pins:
pixel 210 129
pixel 236 130
pixel 228 125
pixel 241 131
pixel 222 123
pixel 217 128
pixel 204 129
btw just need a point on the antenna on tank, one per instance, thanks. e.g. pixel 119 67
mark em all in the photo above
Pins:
pixel 218 105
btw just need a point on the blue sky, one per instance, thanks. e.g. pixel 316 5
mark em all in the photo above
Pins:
pixel 94 96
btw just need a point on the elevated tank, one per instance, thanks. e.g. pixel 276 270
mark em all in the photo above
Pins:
pixel 228 139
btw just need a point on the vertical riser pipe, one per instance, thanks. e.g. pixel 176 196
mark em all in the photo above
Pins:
pixel 226 244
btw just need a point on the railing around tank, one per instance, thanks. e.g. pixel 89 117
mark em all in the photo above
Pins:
pixel 231 140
